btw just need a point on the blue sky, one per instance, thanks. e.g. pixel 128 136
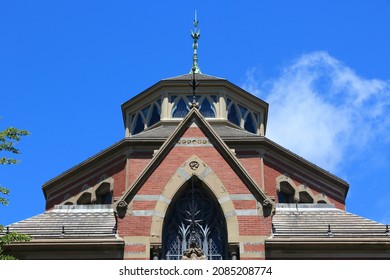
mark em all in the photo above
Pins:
pixel 323 66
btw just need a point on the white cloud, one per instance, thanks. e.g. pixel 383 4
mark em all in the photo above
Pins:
pixel 322 110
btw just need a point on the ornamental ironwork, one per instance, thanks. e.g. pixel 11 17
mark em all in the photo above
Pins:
pixel 194 218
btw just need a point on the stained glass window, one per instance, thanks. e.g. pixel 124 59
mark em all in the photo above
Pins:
pixel 232 116
pixel 194 214
pixel 180 110
pixel 206 109
pixel 139 125
pixel 155 117
pixel 249 124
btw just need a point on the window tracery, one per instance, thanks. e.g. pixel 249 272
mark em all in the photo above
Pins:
pixel 155 116
pixel 206 109
pixel 146 117
pixel 194 215
pixel 233 116
pixel 139 124
pixel 180 110
pixel 250 124
pixel 241 116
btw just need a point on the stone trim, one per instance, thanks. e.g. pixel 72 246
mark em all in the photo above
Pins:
pixel 300 189
pixel 211 180
pixel 92 191
pixel 192 117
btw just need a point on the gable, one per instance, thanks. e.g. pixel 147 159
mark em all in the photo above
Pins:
pixel 193 136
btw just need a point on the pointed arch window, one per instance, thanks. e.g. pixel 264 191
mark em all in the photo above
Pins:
pixel 139 125
pixel 194 214
pixel 249 124
pixel 206 109
pixel 233 116
pixel 155 117
pixel 286 193
pixel 104 194
pixel 180 110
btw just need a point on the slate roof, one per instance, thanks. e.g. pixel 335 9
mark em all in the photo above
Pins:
pixel 70 222
pixel 300 221
pixel 224 131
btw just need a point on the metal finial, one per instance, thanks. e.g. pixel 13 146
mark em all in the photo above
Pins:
pixel 194 83
pixel 195 34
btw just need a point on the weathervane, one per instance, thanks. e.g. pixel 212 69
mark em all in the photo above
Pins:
pixel 195 34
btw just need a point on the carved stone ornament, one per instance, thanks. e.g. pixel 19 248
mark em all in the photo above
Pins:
pixel 122 205
pixel 194 165
pixel 193 253
pixel 267 203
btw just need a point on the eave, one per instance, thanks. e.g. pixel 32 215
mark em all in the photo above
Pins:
pixel 271 146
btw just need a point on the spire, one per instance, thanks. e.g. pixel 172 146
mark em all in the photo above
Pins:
pixel 195 68
pixel 195 34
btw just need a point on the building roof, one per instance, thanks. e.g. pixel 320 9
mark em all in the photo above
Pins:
pixel 305 221
pixel 70 222
pixel 165 130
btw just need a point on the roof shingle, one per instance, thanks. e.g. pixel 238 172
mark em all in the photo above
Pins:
pixel 70 222
pixel 323 221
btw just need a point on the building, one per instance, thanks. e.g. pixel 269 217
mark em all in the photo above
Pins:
pixel 195 173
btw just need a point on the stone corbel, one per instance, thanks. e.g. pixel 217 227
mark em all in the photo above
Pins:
pixel 121 208
pixel 268 207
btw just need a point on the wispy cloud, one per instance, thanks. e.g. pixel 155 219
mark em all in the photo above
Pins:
pixel 322 110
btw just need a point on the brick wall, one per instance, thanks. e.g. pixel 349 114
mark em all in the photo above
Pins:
pixel 250 225
pixel 114 168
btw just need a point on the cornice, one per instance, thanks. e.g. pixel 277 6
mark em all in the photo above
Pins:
pixel 273 147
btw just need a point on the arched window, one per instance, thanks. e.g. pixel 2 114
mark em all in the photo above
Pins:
pixel 155 117
pixel 104 194
pixel 305 197
pixel 249 124
pixel 180 110
pixel 194 216
pixel 286 193
pixel 232 116
pixel 207 109
pixel 85 198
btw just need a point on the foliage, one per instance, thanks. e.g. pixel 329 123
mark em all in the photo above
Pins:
pixel 7 239
pixel 8 139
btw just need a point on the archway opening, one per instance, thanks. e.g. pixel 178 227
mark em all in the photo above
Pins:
pixel 286 193
pixel 194 215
